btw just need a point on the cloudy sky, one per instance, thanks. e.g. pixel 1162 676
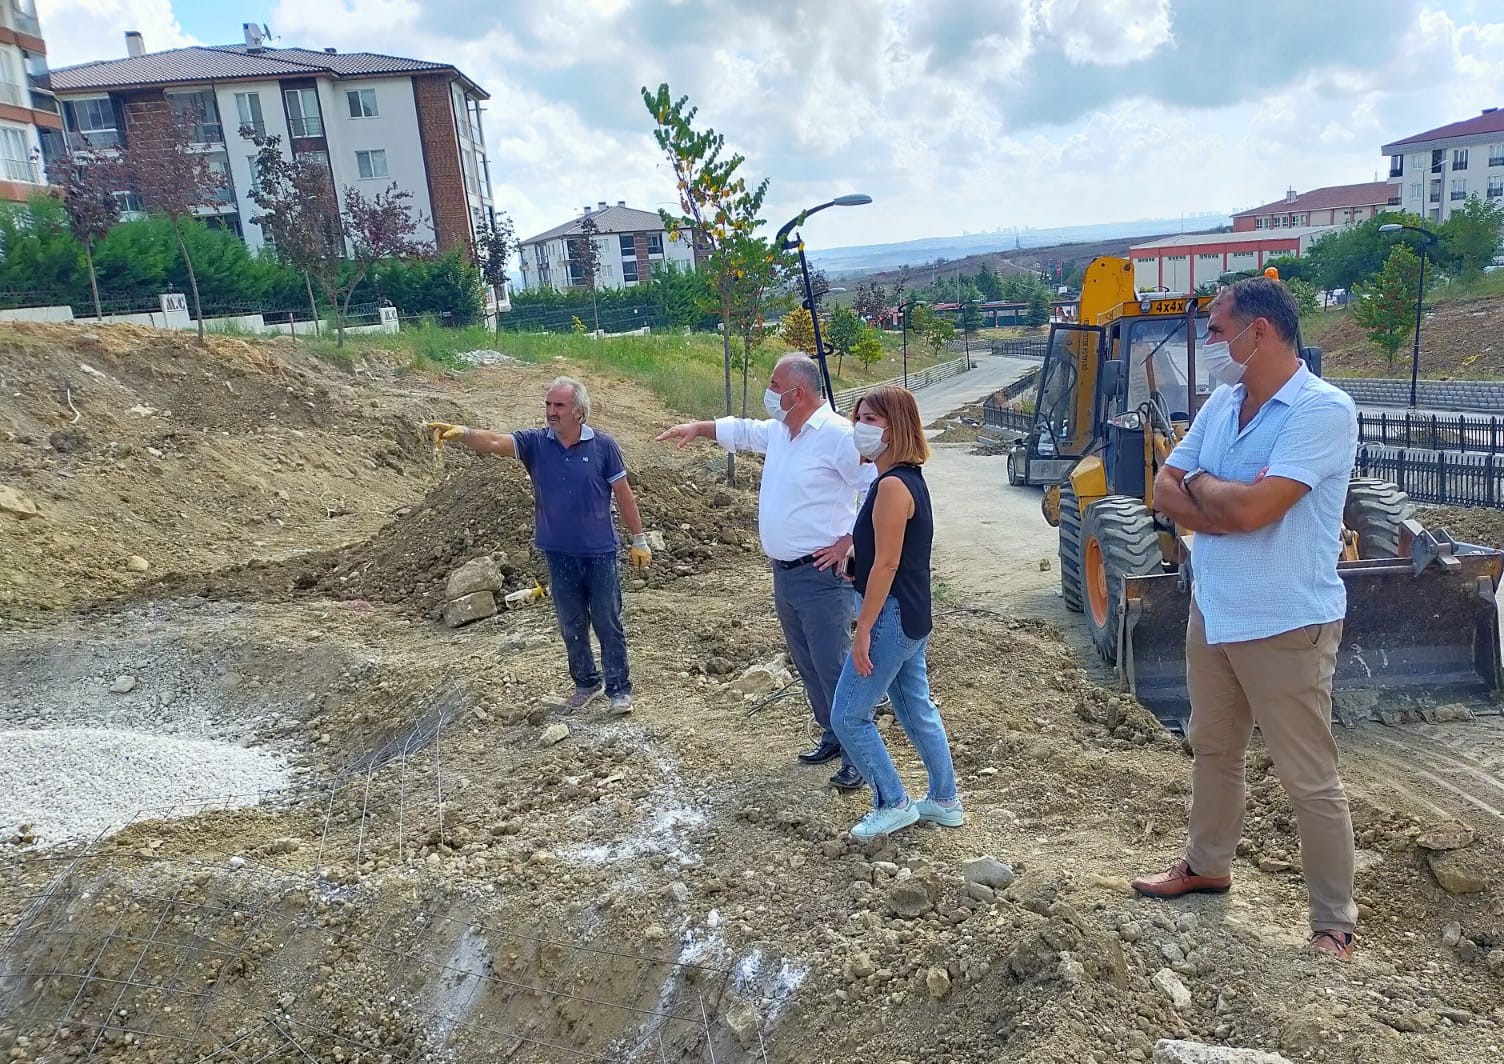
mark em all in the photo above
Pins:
pixel 954 115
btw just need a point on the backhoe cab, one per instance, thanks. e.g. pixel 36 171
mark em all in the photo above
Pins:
pixel 1115 395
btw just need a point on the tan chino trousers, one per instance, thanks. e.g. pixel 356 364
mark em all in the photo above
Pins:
pixel 1284 684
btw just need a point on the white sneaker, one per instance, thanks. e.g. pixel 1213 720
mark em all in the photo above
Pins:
pixel 947 816
pixel 620 705
pixel 886 821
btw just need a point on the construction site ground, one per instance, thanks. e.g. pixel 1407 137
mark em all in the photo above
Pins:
pixel 260 804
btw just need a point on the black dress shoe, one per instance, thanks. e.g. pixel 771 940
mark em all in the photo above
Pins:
pixel 848 779
pixel 827 750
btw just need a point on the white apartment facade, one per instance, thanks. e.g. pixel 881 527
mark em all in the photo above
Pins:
pixel 30 128
pixel 1435 172
pixel 372 120
pixel 630 244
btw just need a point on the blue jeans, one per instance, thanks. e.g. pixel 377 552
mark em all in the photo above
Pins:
pixel 897 667
pixel 587 594
pixel 814 609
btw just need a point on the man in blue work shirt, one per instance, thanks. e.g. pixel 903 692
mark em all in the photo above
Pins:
pixel 1262 477
pixel 576 473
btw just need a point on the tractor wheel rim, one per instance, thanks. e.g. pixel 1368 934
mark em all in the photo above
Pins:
pixel 1096 582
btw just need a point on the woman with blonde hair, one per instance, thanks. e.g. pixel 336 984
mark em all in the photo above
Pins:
pixel 891 553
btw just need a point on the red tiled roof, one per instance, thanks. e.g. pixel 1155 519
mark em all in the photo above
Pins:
pixel 1368 194
pixel 1490 121
pixel 231 62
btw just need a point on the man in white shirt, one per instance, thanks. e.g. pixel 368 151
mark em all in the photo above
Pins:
pixel 813 482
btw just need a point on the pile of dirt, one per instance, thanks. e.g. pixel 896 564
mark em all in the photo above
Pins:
pixel 485 507
pixel 959 426
pixel 1466 524
pixel 1459 340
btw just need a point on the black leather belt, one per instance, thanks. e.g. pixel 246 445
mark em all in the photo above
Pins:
pixel 796 563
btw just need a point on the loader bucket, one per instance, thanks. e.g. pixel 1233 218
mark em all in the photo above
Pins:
pixel 1424 628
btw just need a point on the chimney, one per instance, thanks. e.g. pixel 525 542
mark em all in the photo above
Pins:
pixel 1290 195
pixel 1489 110
pixel 621 203
pixel 601 205
pixel 252 31
pixel 135 45
pixel 587 208
pixel 329 51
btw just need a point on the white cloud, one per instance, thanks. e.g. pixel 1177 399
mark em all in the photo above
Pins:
pixel 952 114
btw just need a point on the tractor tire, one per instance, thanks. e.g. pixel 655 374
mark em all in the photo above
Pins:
pixel 1375 510
pixel 1014 477
pixel 1071 588
pixel 1118 540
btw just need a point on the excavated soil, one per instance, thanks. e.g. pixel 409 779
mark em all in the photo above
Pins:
pixel 959 426
pixel 448 876
pixel 1466 524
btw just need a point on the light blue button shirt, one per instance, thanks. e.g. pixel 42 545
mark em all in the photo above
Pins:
pixel 1250 585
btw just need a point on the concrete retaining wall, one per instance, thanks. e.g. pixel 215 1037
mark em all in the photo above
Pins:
pixel 1484 396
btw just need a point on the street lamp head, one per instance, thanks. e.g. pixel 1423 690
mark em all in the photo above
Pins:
pixel 855 199
pixel 1391 227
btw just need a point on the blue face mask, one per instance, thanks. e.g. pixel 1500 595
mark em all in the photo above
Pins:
pixel 1219 363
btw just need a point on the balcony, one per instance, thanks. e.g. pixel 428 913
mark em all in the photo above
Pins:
pixel 208 133
pixel 1396 171
pixel 1458 195
pixel 25 21
pixel 1435 197
pixel 95 140
pixel 1393 201
pixel 22 170
pixel 305 127
pixel 1496 160
pixel 13 94
pixel 1439 168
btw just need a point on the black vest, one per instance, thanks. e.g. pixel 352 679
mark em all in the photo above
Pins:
pixel 911 584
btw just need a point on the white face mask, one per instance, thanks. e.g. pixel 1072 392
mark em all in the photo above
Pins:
pixel 869 440
pixel 773 402
pixel 1220 365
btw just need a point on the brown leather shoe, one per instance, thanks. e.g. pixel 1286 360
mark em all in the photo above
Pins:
pixel 1178 879
pixel 1336 943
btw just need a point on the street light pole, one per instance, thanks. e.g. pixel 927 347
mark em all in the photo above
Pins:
pixel 903 319
pixel 1420 295
pixel 783 242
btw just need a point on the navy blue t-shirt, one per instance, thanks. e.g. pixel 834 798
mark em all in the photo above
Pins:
pixel 572 489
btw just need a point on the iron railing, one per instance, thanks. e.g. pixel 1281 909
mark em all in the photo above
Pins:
pixel 1447 478
pixel 1032 348
pixel 1434 432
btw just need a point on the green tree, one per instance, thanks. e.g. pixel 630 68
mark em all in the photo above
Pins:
pixel 842 333
pixel 937 333
pixel 1304 294
pixel 971 318
pixel 1038 311
pixel 1349 256
pixel 585 262
pixel 921 317
pixel 684 293
pixel 1290 268
pixel 1386 305
pixel 868 349
pixel 1470 236
pixel 989 283
pixel 718 206
pixel 797 331
pixel 757 269
pixel 495 244
pixel 89 187
pixel 42 262
pixel 870 301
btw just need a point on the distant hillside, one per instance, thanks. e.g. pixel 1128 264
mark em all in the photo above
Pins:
pixel 871 258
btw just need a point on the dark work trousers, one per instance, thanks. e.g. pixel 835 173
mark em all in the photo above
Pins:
pixel 814 607
pixel 587 594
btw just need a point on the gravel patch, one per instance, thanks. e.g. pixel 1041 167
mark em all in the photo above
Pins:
pixel 74 783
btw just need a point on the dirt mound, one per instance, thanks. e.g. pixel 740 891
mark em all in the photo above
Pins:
pixel 1459 340
pixel 1466 524
pixel 485 507
pixel 960 426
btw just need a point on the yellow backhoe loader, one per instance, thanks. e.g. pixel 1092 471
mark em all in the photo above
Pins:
pixel 1117 391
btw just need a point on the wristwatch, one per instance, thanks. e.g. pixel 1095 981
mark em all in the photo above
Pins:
pixel 1185 481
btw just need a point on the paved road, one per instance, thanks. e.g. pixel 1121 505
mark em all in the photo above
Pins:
pixel 992 372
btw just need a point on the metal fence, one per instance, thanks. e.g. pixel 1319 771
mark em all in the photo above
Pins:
pixel 1032 348
pixel 1434 432
pixel 533 318
pixel 997 414
pixel 1449 478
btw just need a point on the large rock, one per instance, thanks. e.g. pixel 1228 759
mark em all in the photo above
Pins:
pixel 909 898
pixel 1460 871
pixel 1175 1051
pixel 1169 984
pixel 16 504
pixel 988 871
pixel 762 679
pixel 478 574
pixel 473 607
pixel 1450 836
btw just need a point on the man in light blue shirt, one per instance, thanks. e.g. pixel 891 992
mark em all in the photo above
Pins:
pixel 1261 477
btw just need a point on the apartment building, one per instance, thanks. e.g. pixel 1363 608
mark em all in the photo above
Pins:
pixel 630 244
pixel 1434 172
pixel 372 119
pixel 1333 205
pixel 30 127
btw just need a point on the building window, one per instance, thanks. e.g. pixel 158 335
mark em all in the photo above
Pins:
pixel 129 203
pixel 15 156
pixel 1435 192
pixel 1496 155
pixel 1396 166
pixel 199 109
pixel 655 243
pixel 248 109
pixel 93 120
pixel 1415 190
pixel 1459 158
pixel 1459 188
pixel 362 103
pixel 314 158
pixel 1495 187
pixel 303 113
pixel 255 183
pixel 472 176
pixel 629 270
pixel 628 246
pixel 1261 222
pixel 371 163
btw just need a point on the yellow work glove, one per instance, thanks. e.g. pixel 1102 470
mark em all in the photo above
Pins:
pixel 640 556
pixel 443 432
